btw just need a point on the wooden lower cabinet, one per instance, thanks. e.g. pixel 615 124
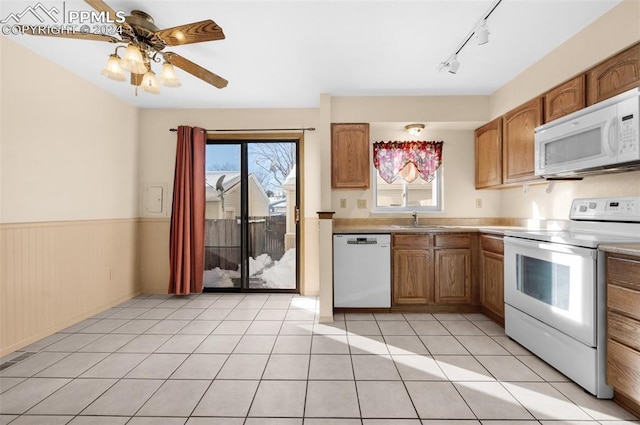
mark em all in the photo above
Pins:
pixel 623 329
pixel 433 269
pixel 452 275
pixel 492 276
pixel 411 276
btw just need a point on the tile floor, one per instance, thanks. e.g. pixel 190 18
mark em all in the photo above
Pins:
pixel 215 359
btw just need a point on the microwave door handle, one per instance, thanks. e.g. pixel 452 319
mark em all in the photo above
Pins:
pixel 611 134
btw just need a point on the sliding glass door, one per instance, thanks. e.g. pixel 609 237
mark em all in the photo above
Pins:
pixel 251 217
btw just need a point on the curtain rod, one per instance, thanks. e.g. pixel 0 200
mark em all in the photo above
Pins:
pixel 256 129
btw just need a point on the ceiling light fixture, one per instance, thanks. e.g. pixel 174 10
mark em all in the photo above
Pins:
pixel 113 69
pixel 480 30
pixel 454 64
pixel 414 129
pixel 482 35
pixel 137 60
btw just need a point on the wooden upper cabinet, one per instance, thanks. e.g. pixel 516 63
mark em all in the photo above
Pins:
pixel 564 99
pixel 518 141
pixel 350 156
pixel 489 154
pixel 614 76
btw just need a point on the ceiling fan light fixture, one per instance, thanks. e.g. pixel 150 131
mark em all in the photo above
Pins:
pixel 414 129
pixel 168 77
pixel 112 68
pixel 133 61
pixel 150 83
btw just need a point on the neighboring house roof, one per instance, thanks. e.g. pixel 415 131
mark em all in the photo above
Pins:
pixel 231 179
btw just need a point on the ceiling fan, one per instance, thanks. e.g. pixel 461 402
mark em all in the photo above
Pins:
pixel 145 43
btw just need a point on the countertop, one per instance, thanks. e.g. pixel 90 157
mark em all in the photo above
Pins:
pixel 423 228
pixel 621 248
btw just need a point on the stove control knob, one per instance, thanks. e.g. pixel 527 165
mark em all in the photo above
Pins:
pixel 583 208
pixel 592 205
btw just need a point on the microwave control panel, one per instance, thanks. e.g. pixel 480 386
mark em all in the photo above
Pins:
pixel 629 127
pixel 606 209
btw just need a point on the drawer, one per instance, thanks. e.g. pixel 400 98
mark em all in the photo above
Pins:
pixel 624 271
pixel 624 301
pixel 623 369
pixel 411 241
pixel 492 244
pixel 456 240
pixel 623 330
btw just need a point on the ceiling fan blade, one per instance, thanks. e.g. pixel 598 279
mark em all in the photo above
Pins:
pixel 195 70
pixel 196 32
pixel 101 6
pixel 48 32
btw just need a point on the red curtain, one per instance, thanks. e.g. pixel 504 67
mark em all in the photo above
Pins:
pixel 186 249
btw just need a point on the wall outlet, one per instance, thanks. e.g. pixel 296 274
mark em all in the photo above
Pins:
pixel 343 203
pixel 478 202
pixel 112 273
pixel 362 203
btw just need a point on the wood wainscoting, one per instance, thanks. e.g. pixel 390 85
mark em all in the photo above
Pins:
pixel 54 274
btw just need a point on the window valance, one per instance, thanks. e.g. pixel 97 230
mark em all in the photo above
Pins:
pixel 407 159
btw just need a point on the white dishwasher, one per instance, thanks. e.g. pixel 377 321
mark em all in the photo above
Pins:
pixel 361 270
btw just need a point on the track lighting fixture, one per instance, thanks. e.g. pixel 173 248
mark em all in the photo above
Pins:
pixel 480 31
pixel 454 65
pixel 482 34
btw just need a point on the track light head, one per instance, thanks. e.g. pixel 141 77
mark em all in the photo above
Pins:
pixel 454 65
pixel 482 34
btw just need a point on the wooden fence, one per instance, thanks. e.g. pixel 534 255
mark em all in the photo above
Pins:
pixel 223 242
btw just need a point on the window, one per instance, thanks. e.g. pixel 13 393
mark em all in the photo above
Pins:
pixel 399 185
pixel 402 196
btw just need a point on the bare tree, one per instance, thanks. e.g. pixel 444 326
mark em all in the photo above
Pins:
pixel 273 162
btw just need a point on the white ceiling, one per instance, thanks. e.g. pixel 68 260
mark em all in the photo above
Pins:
pixel 284 54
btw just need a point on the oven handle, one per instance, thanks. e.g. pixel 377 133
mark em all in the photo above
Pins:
pixel 564 249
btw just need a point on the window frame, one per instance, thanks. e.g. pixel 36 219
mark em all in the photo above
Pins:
pixel 437 186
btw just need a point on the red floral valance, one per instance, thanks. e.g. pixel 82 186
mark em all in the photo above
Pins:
pixel 407 160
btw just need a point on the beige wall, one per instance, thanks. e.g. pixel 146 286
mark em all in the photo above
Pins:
pixel 68 210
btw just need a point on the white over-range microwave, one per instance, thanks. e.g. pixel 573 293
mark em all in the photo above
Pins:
pixel 604 137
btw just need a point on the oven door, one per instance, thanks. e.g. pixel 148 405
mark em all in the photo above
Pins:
pixel 553 283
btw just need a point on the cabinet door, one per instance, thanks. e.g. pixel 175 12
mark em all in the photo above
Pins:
pixel 350 156
pixel 614 76
pixel 489 154
pixel 492 284
pixel 564 99
pixel 411 276
pixel 452 276
pixel 518 141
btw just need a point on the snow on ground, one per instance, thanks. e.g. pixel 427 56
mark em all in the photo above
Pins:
pixel 282 274
pixel 279 274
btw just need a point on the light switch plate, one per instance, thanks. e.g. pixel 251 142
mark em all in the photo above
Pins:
pixel 343 203
pixel 362 203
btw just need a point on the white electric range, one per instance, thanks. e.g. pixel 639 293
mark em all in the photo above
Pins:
pixel 555 289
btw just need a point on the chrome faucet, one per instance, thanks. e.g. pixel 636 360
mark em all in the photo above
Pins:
pixel 415 219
